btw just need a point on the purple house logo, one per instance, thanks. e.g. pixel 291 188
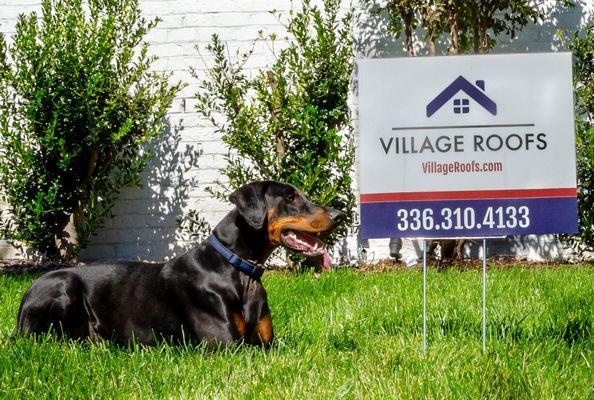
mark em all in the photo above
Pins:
pixel 461 105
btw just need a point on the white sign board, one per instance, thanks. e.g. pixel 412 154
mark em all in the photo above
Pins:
pixel 467 146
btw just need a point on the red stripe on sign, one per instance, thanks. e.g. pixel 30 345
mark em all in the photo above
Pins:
pixel 468 195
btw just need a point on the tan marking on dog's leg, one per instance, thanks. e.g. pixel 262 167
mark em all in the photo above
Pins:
pixel 262 333
pixel 239 323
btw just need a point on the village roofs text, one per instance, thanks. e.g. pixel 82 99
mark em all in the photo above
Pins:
pixel 413 144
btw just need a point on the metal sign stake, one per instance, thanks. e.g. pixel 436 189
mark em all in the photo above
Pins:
pixel 484 294
pixel 425 296
pixel 484 302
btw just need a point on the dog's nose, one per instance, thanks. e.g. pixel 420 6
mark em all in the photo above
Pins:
pixel 335 215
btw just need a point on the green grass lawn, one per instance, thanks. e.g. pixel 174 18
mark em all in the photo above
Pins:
pixel 345 335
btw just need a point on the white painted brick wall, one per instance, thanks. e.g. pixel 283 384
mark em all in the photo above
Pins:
pixel 145 222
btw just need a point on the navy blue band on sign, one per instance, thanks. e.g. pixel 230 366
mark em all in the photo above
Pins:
pixel 242 265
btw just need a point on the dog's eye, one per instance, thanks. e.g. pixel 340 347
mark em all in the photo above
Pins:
pixel 290 198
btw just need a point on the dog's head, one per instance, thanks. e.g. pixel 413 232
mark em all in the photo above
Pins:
pixel 286 217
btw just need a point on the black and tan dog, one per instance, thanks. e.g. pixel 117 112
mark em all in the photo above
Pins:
pixel 212 294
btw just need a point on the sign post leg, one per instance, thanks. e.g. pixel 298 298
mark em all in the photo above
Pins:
pixel 424 296
pixel 484 294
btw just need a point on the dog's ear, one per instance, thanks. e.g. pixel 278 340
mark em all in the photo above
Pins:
pixel 250 201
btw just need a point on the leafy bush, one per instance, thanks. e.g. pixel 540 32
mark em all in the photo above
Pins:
pixel 77 103
pixel 195 226
pixel 290 122
pixel 583 50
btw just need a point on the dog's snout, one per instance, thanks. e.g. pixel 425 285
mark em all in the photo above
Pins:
pixel 336 216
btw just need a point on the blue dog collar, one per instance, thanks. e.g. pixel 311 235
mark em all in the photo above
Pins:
pixel 244 266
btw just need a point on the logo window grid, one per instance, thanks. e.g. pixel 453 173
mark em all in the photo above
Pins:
pixel 461 106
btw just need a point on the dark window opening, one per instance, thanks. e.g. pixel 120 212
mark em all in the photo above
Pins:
pixel 461 106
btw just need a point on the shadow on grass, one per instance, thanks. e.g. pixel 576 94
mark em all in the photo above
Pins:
pixel 24 344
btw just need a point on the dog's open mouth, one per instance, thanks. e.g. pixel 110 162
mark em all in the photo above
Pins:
pixel 307 244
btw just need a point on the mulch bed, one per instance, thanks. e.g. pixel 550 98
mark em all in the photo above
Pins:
pixel 23 267
pixel 464 265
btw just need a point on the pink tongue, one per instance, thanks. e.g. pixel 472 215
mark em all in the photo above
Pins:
pixel 326 261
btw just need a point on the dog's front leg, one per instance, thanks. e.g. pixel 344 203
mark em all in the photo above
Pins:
pixel 257 316
pixel 262 333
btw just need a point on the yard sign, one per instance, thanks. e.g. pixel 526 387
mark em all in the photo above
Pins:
pixel 467 146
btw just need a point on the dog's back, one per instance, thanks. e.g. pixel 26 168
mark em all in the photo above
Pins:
pixel 73 301
pixel 54 300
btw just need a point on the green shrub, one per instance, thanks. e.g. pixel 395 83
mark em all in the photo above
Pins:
pixel 78 102
pixel 290 122
pixel 583 50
